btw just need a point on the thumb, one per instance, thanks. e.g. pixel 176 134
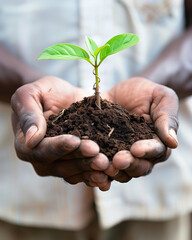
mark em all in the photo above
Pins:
pixel 27 116
pixel 167 130
pixel 165 115
pixel 33 126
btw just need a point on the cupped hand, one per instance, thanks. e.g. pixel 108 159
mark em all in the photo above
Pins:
pixel 156 103
pixel 64 156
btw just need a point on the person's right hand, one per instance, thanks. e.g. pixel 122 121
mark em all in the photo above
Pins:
pixel 64 156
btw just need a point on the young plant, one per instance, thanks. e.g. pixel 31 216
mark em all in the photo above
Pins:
pixel 67 51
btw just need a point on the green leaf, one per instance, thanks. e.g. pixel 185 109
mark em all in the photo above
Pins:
pixel 91 45
pixel 100 48
pixel 64 51
pixel 119 43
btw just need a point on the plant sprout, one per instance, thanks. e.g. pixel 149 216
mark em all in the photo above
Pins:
pixel 67 51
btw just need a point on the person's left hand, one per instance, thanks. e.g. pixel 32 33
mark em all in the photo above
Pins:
pixel 155 103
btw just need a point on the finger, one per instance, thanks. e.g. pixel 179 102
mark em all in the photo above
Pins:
pixel 164 110
pixel 102 182
pixel 27 110
pixel 122 177
pixel 67 168
pixel 98 177
pixel 111 170
pixel 160 158
pixel 91 177
pixel 139 167
pixel 64 168
pixel 148 149
pixel 87 148
pixel 99 162
pixel 49 149
pixel 133 167
pixel 122 160
pixel 104 186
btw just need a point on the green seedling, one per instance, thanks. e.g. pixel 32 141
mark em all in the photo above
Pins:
pixel 67 51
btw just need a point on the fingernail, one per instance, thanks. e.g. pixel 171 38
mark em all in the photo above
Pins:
pixel 73 144
pixel 173 135
pixel 75 139
pixel 30 133
pixel 95 167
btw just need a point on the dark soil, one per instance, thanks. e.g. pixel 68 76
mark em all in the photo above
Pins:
pixel 112 127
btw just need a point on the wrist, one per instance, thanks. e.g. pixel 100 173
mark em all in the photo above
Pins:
pixel 11 80
pixel 13 74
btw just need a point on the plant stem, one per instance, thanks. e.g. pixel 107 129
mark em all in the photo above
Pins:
pixel 97 94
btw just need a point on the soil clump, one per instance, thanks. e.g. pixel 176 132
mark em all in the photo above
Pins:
pixel 111 127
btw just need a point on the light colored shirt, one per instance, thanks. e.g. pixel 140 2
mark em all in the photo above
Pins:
pixel 26 28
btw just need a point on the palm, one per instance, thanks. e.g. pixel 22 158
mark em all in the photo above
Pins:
pixel 136 98
pixel 155 102
pixel 58 94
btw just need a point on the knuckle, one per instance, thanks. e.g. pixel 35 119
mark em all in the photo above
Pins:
pixel 104 186
pixel 134 165
pixel 84 164
pixel 20 155
pixel 58 147
pixel 142 169
pixel 63 144
pixel 88 183
pixel 148 171
pixel 25 155
pixel 14 97
pixel 71 180
pixel 41 171
pixel 122 177
pixel 162 157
